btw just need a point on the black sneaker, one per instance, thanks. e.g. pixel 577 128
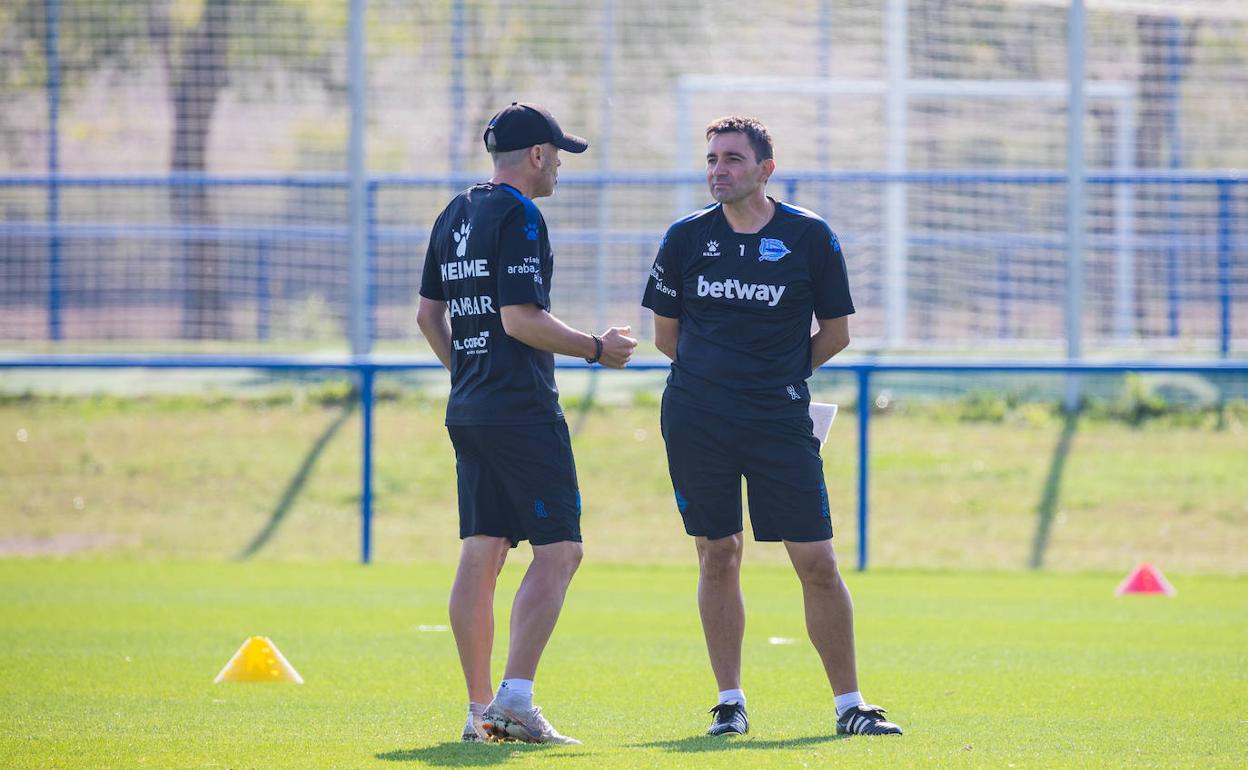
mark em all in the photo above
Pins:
pixel 865 720
pixel 730 719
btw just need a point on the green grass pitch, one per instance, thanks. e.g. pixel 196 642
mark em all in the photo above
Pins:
pixel 109 663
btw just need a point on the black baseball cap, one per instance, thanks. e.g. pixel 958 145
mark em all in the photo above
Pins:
pixel 523 125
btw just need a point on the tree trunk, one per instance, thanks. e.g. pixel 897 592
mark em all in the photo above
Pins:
pixel 197 80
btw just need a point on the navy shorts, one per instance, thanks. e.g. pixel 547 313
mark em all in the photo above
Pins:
pixel 707 455
pixel 517 482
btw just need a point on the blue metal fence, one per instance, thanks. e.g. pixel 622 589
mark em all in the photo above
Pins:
pixel 1225 237
pixel 366 370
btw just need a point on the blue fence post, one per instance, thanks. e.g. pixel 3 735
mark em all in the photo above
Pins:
pixel 457 85
pixel 823 107
pixel 366 464
pixel 1174 218
pixel 790 191
pixel 52 55
pixel 864 437
pixel 1003 293
pixel 1174 82
pixel 358 310
pixel 262 291
pixel 370 253
pixel 1224 267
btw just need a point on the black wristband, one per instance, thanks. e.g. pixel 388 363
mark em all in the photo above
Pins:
pixel 597 350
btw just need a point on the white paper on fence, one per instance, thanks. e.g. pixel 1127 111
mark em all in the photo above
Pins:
pixel 822 416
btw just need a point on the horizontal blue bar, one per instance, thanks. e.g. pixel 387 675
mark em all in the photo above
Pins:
pixel 173 232
pixel 69 361
pixel 175 180
pixel 949 176
pixel 397 235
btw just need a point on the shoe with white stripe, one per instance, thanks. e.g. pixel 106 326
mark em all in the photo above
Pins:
pixel 473 732
pixel 865 720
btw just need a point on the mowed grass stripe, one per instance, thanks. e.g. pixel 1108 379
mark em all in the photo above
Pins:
pixel 109 664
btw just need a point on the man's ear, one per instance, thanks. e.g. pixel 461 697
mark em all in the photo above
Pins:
pixel 769 168
pixel 535 155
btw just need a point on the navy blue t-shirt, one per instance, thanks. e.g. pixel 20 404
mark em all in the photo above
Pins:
pixel 489 248
pixel 745 304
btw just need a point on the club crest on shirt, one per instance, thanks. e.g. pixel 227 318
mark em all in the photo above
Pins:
pixel 712 249
pixel 771 250
pixel 461 237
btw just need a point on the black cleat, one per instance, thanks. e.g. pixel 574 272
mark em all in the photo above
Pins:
pixel 730 719
pixel 865 720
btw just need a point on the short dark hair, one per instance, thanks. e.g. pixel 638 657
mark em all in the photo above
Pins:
pixel 753 129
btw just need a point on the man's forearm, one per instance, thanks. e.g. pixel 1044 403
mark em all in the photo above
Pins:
pixel 832 338
pixel 439 338
pixel 822 350
pixel 431 318
pixel 667 335
pixel 539 329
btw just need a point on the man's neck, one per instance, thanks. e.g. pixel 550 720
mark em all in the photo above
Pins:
pixel 512 180
pixel 750 215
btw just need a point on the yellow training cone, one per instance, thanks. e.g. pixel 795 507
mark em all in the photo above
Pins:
pixel 258 660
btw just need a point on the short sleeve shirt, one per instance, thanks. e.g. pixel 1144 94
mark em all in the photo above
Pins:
pixel 745 303
pixel 488 249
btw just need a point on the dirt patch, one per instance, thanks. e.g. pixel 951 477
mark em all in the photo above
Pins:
pixel 60 545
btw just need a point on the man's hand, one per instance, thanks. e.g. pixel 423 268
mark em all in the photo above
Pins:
pixel 617 347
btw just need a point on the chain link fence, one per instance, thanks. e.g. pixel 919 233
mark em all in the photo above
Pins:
pixel 175 174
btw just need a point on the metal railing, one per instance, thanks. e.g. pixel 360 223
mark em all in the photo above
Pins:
pixel 1227 237
pixel 366 370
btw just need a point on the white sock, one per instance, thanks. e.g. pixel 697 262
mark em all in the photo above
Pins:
pixel 516 692
pixel 476 708
pixel 848 701
pixel 732 696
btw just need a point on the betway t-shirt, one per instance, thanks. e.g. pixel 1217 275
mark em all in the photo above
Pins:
pixel 745 304
pixel 490 248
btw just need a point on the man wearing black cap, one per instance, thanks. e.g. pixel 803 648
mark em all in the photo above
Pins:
pixel 489 263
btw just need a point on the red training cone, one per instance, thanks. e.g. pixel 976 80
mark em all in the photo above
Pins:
pixel 1145 579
